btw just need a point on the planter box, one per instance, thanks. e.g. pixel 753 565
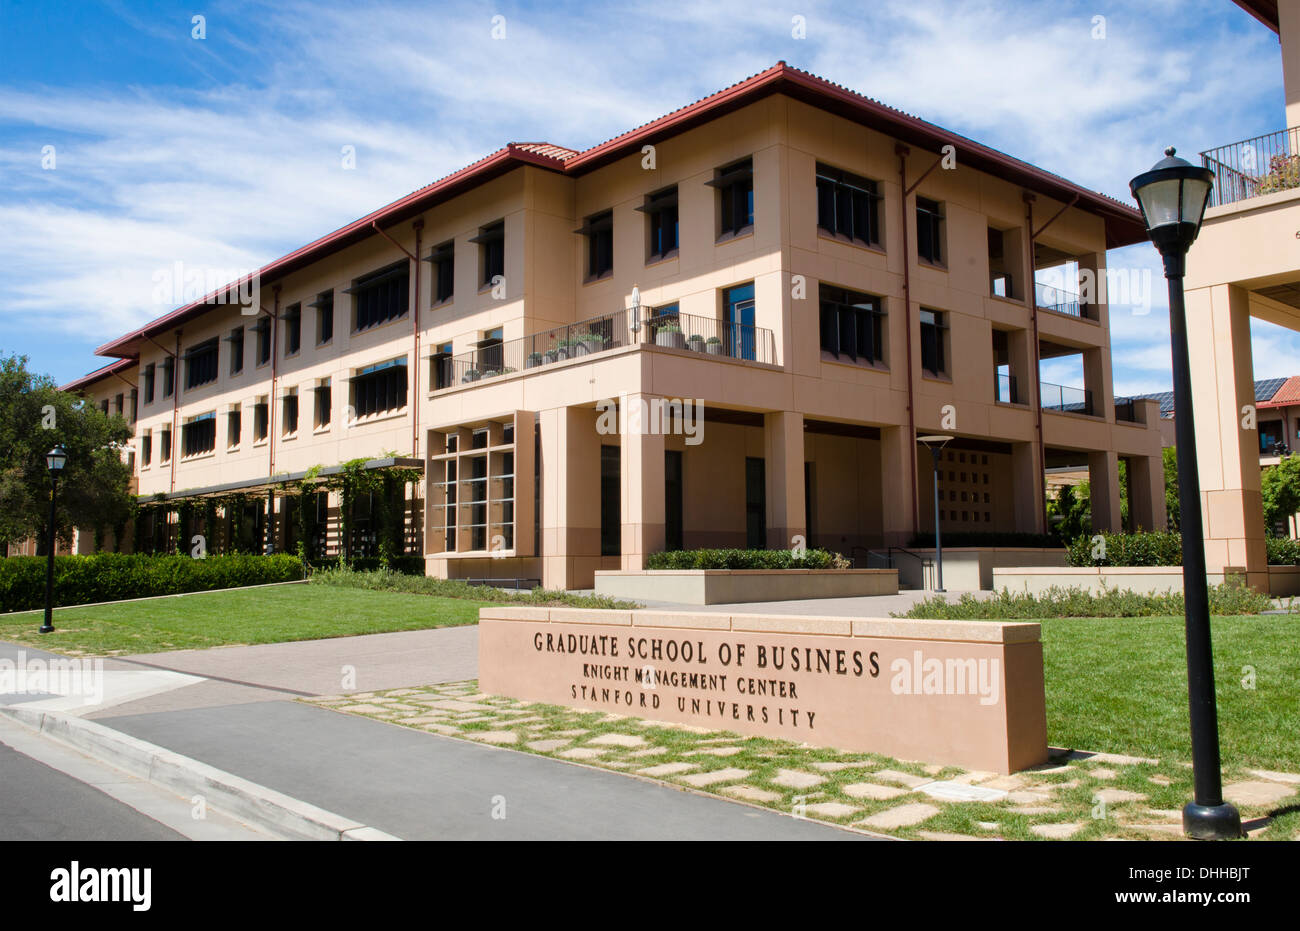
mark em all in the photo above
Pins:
pixel 969 568
pixel 735 586
pixel 865 685
pixel 713 349
pixel 671 340
pixel 1145 580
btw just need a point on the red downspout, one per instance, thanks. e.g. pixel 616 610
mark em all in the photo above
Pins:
pixel 176 403
pixel 270 419
pixel 415 356
pixel 903 151
pixel 1032 299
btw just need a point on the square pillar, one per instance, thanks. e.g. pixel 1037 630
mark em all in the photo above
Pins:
pixel 642 498
pixel 1027 488
pixel 1103 487
pixel 784 455
pixel 570 497
pixel 1227 434
pixel 1146 493
pixel 896 471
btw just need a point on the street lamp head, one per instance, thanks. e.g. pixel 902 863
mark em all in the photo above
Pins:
pixel 934 440
pixel 55 459
pixel 1173 196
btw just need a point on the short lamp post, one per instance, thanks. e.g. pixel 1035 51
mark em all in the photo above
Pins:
pixel 55 459
pixel 936 444
pixel 1173 196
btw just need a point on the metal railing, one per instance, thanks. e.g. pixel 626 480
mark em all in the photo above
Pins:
pixel 1049 297
pixel 1065 399
pixel 1126 410
pixel 1005 389
pixel 1254 167
pixel 600 334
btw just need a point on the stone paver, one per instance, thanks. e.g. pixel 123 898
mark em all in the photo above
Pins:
pixel 796 779
pixel 751 793
pixel 893 775
pixel 699 780
pixel 1257 793
pixel 667 769
pixel 495 737
pixel 836 767
pixel 649 751
pixel 900 817
pixel 618 740
pixel 1289 778
pixel 583 753
pixel 546 746
pixel 954 791
pixel 1056 831
pixel 832 809
pixel 872 791
pixel 1115 796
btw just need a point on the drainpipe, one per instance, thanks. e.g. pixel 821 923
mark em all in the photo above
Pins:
pixel 176 405
pixel 418 226
pixel 903 151
pixel 1032 300
pixel 269 546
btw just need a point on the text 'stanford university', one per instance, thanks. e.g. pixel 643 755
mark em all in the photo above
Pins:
pixel 792 258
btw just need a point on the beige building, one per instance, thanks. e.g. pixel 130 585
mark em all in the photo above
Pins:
pixel 726 327
pixel 1244 265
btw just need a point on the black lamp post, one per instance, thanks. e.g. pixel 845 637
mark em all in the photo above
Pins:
pixel 936 444
pixel 54 461
pixel 1173 195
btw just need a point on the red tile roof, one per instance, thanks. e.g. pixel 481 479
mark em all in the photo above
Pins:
pixel 1285 396
pixel 1123 223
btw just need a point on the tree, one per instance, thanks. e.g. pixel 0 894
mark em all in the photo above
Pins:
pixel 1169 457
pixel 94 488
pixel 1071 513
pixel 1280 486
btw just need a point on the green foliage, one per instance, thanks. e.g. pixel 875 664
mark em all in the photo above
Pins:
pixel 745 559
pixel 1070 515
pixel 1169 457
pixel 93 489
pixel 386 580
pixel 1226 599
pixel 116 576
pixel 1043 540
pixel 1280 486
pixel 1283 551
pixel 1126 549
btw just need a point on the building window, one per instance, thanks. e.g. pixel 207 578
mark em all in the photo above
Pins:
pixel 261 420
pixel 380 388
pixel 324 306
pixel 735 185
pixel 934 339
pixel 169 376
pixel 234 427
pixel 324 404
pixel 262 328
pixel 673 499
pixel 755 504
pixel 149 371
pixel 146 448
pixel 135 404
pixel 201 364
pixel 491 240
pixel 599 231
pixel 103 407
pixel 236 341
pixel 441 375
pixel 738 310
pixel 611 527
pixel 380 296
pixel 117 404
pixel 292 330
pixel 199 435
pixel 490 351
pixel 661 212
pixel 852 324
pixel 289 413
pixel 848 205
pixel 929 231
pixel 442 262
pixel 165 444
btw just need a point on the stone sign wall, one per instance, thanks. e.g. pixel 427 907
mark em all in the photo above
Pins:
pixel 965 693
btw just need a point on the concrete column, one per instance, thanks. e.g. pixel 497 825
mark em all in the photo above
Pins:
pixel 1227 437
pixel 1103 487
pixel 642 500
pixel 896 498
pixel 570 477
pixel 784 454
pixel 1092 287
pixel 1288 21
pixel 1027 489
pixel 1146 493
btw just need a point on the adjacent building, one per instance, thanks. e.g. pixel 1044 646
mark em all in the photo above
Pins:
pixel 726 327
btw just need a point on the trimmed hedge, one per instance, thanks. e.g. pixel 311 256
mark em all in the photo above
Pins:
pixel 1128 549
pixel 1036 540
pixel 118 576
pixel 386 580
pixel 1283 551
pixel 745 559
pixel 405 565
pixel 1225 599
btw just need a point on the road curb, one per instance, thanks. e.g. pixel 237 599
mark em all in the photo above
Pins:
pixel 230 794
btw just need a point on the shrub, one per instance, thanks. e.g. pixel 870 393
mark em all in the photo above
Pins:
pixel 746 559
pixel 386 580
pixel 1045 540
pixel 1283 551
pixel 117 576
pixel 405 565
pixel 1226 599
pixel 1127 549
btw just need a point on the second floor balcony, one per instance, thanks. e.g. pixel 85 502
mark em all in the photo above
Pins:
pixel 1254 167
pixel 709 336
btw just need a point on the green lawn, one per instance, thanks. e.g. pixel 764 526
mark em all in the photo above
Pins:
pixel 1120 685
pixel 209 619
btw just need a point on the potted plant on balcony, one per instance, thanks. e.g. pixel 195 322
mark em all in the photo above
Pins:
pixel 670 334
pixel 534 359
pixel 713 346
pixel 552 355
pixel 469 376
pixel 562 350
pixel 695 342
pixel 491 373
pixel 592 342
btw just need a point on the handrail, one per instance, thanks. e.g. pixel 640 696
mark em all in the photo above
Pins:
pixel 1254 167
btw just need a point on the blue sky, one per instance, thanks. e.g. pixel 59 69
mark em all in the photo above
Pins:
pixel 225 151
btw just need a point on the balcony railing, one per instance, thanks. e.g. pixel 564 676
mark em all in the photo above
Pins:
pixel 1059 300
pixel 1065 399
pixel 1254 167
pixel 1126 410
pixel 1005 390
pixel 601 334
